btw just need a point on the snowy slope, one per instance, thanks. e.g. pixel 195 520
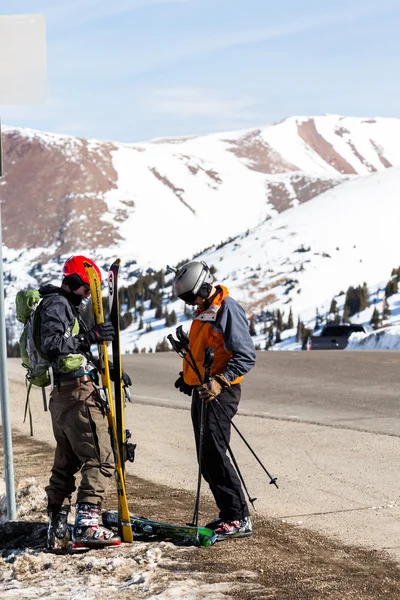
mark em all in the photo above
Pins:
pixel 183 194
pixel 309 254
pixel 350 235
pixel 162 201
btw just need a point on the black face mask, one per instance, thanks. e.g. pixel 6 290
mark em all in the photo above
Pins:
pixel 73 298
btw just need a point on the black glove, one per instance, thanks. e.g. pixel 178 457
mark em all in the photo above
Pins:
pixel 182 386
pixel 100 333
pixel 126 380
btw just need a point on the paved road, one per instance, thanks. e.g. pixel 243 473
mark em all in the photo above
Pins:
pixel 329 431
pixel 355 390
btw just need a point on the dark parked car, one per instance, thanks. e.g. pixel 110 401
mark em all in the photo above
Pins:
pixel 334 337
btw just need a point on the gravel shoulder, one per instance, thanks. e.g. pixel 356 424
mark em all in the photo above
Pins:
pixel 280 561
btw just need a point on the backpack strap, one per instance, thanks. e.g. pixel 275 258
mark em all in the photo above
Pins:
pixel 28 407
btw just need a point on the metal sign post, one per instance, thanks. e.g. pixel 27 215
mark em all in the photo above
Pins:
pixel 22 81
pixel 5 405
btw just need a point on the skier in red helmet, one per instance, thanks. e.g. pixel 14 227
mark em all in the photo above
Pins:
pixel 77 412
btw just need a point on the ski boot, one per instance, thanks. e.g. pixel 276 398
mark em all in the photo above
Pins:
pixel 226 530
pixel 58 532
pixel 87 533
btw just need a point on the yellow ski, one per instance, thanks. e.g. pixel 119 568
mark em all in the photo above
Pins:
pixel 123 509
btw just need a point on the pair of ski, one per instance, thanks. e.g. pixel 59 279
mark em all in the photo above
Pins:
pixel 114 406
pixel 128 526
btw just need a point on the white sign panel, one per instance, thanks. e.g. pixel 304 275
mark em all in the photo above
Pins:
pixel 22 59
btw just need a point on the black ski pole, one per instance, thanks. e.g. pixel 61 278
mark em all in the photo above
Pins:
pixel 251 500
pixel 272 479
pixel 207 364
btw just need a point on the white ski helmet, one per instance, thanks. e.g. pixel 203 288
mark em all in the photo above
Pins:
pixel 192 280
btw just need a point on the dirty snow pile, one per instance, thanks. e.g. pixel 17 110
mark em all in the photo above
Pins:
pixel 383 339
pixel 133 571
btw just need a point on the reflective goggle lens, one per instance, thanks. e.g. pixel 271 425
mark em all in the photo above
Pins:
pixel 188 297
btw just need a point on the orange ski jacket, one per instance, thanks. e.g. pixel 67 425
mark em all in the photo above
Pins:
pixel 224 326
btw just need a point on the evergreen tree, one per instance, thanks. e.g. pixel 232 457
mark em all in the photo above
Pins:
pixel 386 312
pixel 271 336
pixel 392 287
pixel 364 297
pixel 279 320
pixel 172 318
pixel 375 319
pixel 299 330
pixel 317 319
pixel 253 326
pixel 162 346
pixel 126 320
pixel 277 336
pixel 290 324
pixel 159 312
pixel 346 314
pixel 140 324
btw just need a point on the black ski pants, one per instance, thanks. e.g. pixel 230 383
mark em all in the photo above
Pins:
pixel 217 468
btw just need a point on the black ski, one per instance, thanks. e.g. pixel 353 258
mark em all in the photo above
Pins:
pixel 146 529
pixel 126 450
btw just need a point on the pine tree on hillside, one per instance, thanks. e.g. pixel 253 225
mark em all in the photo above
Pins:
pixel 392 287
pixel 126 320
pixel 364 297
pixel 279 320
pixel 140 323
pixel 386 313
pixel 346 314
pixel 252 325
pixel 278 338
pixel 334 315
pixel 290 324
pixel 162 346
pixel 375 319
pixel 318 319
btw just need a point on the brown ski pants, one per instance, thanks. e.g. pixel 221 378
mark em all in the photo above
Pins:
pixel 83 443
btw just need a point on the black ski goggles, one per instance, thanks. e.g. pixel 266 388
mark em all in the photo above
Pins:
pixel 188 297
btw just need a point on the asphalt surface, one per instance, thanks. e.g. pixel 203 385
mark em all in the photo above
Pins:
pixel 325 423
pixel 352 390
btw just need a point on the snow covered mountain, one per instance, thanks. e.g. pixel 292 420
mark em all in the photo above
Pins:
pixel 306 256
pixel 162 201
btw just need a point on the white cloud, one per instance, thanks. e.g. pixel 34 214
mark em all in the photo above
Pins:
pixel 198 102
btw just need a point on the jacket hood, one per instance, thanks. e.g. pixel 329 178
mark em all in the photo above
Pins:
pixel 49 288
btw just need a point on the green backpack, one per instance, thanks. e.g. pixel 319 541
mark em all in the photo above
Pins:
pixel 35 362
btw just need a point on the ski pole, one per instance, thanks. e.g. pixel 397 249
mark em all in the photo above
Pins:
pixel 272 479
pixel 184 342
pixel 251 500
pixel 207 364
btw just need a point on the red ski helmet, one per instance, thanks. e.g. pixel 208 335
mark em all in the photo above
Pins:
pixel 74 266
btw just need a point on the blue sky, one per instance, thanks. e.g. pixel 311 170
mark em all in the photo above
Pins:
pixel 132 70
